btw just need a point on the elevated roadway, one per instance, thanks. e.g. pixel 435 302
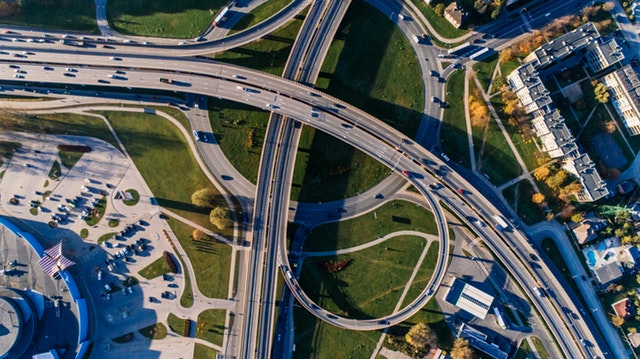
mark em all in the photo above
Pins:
pixel 296 101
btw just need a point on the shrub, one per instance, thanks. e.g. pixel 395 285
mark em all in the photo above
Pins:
pixel 334 267
pixel 170 262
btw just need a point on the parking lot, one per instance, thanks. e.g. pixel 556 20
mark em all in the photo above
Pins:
pixel 58 209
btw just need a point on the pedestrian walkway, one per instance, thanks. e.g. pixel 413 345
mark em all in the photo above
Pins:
pixel 375 242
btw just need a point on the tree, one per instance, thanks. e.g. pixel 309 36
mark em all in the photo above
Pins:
pixel 541 173
pixel 221 217
pixel 608 6
pixel 617 321
pixel 481 7
pixel 601 93
pixel 198 235
pixel 573 187
pixel 577 217
pixel 439 9
pixel 537 198
pixel 462 350
pixel 420 336
pixel 506 55
pixel 558 180
pixel 204 198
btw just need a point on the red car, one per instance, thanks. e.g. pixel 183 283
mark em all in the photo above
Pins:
pixel 406 173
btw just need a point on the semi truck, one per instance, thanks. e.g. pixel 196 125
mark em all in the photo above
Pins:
pixel 501 223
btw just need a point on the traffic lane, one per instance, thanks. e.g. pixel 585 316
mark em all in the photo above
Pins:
pixel 392 136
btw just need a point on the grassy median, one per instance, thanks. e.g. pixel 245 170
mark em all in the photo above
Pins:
pixel 259 14
pixel 162 18
pixel 391 217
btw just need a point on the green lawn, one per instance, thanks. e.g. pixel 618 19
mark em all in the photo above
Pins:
pixel 524 351
pixel 101 209
pixel 69 158
pixel 7 148
pixel 389 84
pixel 211 260
pixel 484 70
pixel 370 286
pixel 328 169
pixel 259 14
pixel 201 351
pixel 105 237
pixel 528 211
pixel 155 269
pixel 177 324
pixel 154 331
pixel 166 163
pixel 319 340
pixel 231 123
pixel 135 197
pixel 497 159
pixel 542 351
pixel 59 123
pixel 388 88
pixel 210 325
pixel 526 146
pixel 453 133
pixel 391 217
pixel 270 53
pixel 443 26
pixel 79 15
pixel 162 18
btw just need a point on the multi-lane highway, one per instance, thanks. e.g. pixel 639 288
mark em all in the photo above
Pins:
pixel 371 136
pixel 365 133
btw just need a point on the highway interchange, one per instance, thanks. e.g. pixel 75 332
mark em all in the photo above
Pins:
pixel 301 103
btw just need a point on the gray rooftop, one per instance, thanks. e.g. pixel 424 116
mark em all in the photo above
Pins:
pixel 564 140
pixel 591 181
pixel 608 273
pixel 628 78
pixel 564 45
pixel 478 340
pixel 601 54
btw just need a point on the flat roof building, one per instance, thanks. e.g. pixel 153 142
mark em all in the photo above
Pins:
pixel 478 340
pixel 601 55
pixel 469 298
pixel 547 122
pixel 624 87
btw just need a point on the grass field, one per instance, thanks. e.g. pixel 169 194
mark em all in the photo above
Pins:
pixel 430 313
pixel 176 324
pixel 201 351
pixel 231 123
pixel 155 269
pixel 524 351
pixel 166 163
pixel 526 146
pixel 528 211
pixel 211 260
pixel 391 217
pixel 370 286
pixel 270 53
pixel 389 88
pixel 210 325
pixel 453 133
pixel 79 15
pixel 7 148
pixel 154 331
pixel 496 158
pixel 64 123
pixel 162 18
pixel 389 84
pixel 259 14
pixel 328 169
pixel 542 352
pixel 484 70
pixel 319 340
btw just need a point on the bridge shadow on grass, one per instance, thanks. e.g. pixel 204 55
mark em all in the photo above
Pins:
pixel 117 8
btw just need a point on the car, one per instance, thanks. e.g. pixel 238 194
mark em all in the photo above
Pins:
pixel 279 337
pixel 461 191
pixel 111 76
pixel 406 173
pixel 30 40
pixel 146 43
pixel 69 74
pixel 434 99
pixel 14 66
pixel 378 195
pixel 47 68
pixel 275 107
pixel 239 77
pixel 434 73
pixel 444 157
pixel 182 43
pixel 18 76
pixel 70 69
pixel 103 81
pixel 114 58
